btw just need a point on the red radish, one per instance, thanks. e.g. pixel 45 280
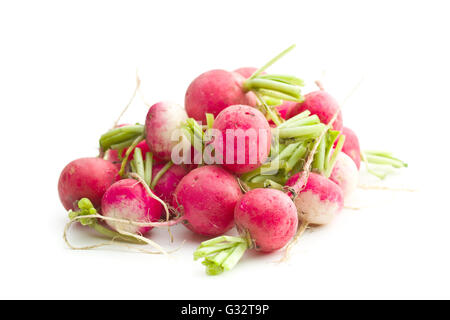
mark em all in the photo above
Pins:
pixel 285 108
pixel 266 220
pixel 127 199
pixel 320 201
pixel 238 120
pixel 162 122
pixel 167 183
pixel 351 146
pixel 213 91
pixel 86 178
pixel 321 104
pixel 246 72
pixel 345 174
pixel 269 216
pixel 206 197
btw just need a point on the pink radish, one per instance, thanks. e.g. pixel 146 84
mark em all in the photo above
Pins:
pixel 266 220
pixel 165 187
pixel 345 174
pixel 351 146
pixel 215 90
pixel 320 201
pixel 127 199
pixel 246 72
pixel 162 122
pixel 234 123
pixel 86 178
pixel 321 104
pixel 206 198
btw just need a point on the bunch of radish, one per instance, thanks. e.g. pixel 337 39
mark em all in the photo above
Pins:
pixel 248 150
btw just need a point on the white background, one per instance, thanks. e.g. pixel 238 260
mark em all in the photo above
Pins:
pixel 67 69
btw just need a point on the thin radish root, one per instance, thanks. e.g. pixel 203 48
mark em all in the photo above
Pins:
pixel 138 85
pixel 301 229
pixel 365 187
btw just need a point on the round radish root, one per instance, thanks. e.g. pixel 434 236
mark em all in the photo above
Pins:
pixel 285 108
pixel 167 183
pixel 206 198
pixel 345 174
pixel 320 201
pixel 266 220
pixel 351 146
pixel 86 178
pixel 246 72
pixel 321 104
pixel 163 119
pixel 269 216
pixel 213 91
pixel 127 199
pixel 246 124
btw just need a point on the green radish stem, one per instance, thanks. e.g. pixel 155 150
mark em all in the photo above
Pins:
pixel 291 91
pixel 161 173
pixel 127 154
pixel 209 120
pixel 271 62
pixel 221 253
pixel 381 158
pixel 148 167
pixel 296 156
pixel 331 137
pixel 139 161
pixel 87 209
pixel 270 112
pixel 314 119
pixel 119 136
pixel 311 131
pixel 318 164
pixel 300 116
pixel 333 158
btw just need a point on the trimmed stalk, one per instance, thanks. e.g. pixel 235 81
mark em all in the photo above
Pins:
pixel 221 253
pixel 160 173
pixel 318 164
pixel 334 156
pixel 148 167
pixel 118 137
pixel 311 131
pixel 86 208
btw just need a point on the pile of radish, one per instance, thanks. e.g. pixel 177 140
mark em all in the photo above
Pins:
pixel 247 151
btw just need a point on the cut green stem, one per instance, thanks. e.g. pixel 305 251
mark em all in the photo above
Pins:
pixel 271 62
pixel 221 253
pixel 334 156
pixel 161 173
pixel 305 132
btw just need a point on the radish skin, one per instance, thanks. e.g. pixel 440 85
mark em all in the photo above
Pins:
pixel 127 199
pixel 320 201
pixel 206 198
pixel 269 216
pixel 345 174
pixel 213 91
pixel 86 178
pixel 163 119
pixel 166 185
pixel 351 146
pixel 321 104
pixel 249 119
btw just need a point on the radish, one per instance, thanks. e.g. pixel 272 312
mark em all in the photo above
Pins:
pixel 86 178
pixel 215 90
pixel 246 138
pixel 163 120
pixel 128 199
pixel 266 220
pixel 321 104
pixel 320 200
pixel 206 198
pixel 246 72
pixel 351 146
pixel 165 180
pixel 345 174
